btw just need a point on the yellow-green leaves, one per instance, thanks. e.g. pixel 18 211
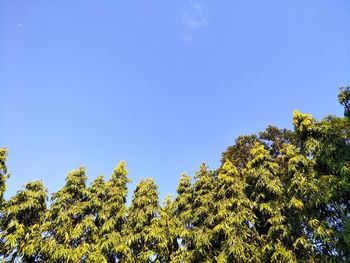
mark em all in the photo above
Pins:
pixel 145 236
pixel 278 196
pixel 302 122
pixel 21 218
pixel 3 174
pixel 344 99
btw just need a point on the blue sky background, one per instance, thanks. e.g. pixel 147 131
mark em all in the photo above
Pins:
pixel 163 85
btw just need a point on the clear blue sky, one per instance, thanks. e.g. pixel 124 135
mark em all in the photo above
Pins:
pixel 163 85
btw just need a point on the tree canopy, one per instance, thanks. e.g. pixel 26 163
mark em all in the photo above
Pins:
pixel 278 196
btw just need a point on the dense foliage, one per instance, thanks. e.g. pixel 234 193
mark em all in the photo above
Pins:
pixel 278 196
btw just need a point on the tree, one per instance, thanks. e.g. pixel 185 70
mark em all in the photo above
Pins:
pixel 21 221
pixel 3 175
pixel 275 139
pixel 300 200
pixel 111 219
pixel 66 222
pixel 144 231
pixel 183 214
pixel 203 220
pixel 169 248
pixel 344 99
pixel 96 199
pixel 235 234
pixel 278 196
pixel 239 153
pixel 265 190
pixel 326 142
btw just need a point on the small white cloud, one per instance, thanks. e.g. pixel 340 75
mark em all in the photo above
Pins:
pixel 20 25
pixel 193 20
pixel 193 23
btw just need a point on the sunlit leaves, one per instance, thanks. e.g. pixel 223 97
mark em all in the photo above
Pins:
pixel 278 196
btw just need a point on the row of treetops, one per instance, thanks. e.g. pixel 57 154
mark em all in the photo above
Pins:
pixel 278 196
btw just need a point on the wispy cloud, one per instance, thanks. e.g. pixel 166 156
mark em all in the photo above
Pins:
pixel 193 20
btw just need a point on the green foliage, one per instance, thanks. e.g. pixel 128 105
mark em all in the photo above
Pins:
pixel 168 249
pixel 145 236
pixel 183 216
pixel 265 190
pixel 235 237
pixel 110 214
pixel 278 196
pixel 67 224
pixel 3 174
pixel 3 177
pixel 344 99
pixel 21 220
pixel 203 218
